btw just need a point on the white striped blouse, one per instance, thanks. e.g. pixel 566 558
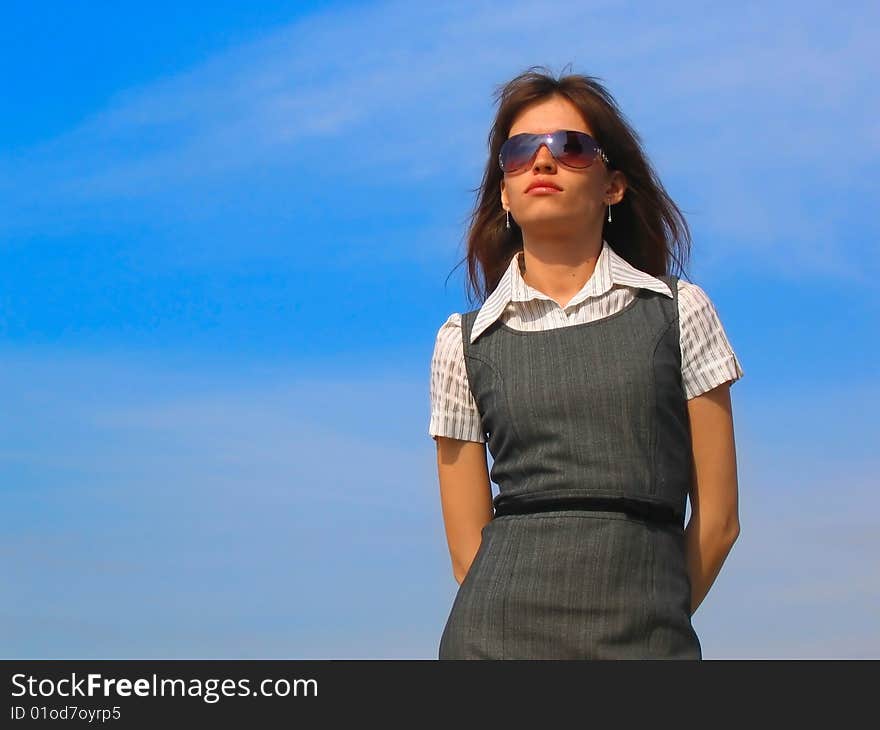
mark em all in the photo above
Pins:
pixel 707 359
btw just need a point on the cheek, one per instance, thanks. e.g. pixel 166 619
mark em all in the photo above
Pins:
pixel 585 193
pixel 593 193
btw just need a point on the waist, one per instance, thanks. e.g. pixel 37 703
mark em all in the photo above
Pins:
pixel 647 511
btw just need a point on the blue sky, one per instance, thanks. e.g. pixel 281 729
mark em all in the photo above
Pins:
pixel 216 317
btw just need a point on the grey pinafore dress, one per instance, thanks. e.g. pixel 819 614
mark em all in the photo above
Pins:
pixel 589 432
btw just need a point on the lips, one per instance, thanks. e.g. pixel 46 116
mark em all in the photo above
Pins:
pixel 539 183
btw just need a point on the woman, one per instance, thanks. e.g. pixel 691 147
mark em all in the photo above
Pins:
pixel 600 385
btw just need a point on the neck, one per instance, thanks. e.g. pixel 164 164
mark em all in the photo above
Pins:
pixel 557 270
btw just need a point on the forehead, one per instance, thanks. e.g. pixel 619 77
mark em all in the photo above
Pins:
pixel 548 115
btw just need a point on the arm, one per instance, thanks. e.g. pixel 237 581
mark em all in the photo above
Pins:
pixel 714 523
pixel 465 490
pixel 465 497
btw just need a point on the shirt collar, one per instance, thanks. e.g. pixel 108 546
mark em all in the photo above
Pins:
pixel 611 270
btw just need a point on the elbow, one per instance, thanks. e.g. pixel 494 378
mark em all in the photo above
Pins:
pixel 459 571
pixel 729 529
pixel 461 567
pixel 721 527
pixel 732 535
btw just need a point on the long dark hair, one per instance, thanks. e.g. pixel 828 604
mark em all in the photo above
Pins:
pixel 648 229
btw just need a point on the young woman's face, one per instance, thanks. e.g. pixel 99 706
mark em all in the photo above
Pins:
pixel 585 193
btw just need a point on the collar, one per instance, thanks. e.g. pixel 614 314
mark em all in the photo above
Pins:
pixel 611 270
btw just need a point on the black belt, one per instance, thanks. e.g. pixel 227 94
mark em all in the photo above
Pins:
pixel 649 511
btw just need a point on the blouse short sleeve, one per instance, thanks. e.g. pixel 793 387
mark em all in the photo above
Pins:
pixel 707 358
pixel 454 411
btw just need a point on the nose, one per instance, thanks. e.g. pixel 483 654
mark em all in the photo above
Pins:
pixel 544 160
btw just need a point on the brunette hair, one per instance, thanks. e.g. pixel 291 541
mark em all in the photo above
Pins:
pixel 648 229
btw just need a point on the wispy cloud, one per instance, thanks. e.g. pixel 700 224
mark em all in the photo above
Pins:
pixel 749 114
pixel 288 495
pixel 273 491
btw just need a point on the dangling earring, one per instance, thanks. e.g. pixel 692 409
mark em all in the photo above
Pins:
pixel 508 219
pixel 609 213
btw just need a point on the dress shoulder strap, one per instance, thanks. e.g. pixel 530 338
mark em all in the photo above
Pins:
pixel 467 326
pixel 672 282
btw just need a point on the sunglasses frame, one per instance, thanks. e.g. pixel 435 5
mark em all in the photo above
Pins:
pixel 552 139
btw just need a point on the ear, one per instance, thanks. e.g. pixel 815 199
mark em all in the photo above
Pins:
pixel 616 187
pixel 504 200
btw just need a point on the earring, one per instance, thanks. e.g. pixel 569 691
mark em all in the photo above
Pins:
pixel 508 219
pixel 609 213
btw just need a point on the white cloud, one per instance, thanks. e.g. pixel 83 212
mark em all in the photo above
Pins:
pixel 753 113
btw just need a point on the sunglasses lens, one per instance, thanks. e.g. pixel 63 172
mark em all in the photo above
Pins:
pixel 516 152
pixel 575 149
pixel 578 149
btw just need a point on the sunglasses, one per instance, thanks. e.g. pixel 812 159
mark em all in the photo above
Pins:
pixel 570 147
